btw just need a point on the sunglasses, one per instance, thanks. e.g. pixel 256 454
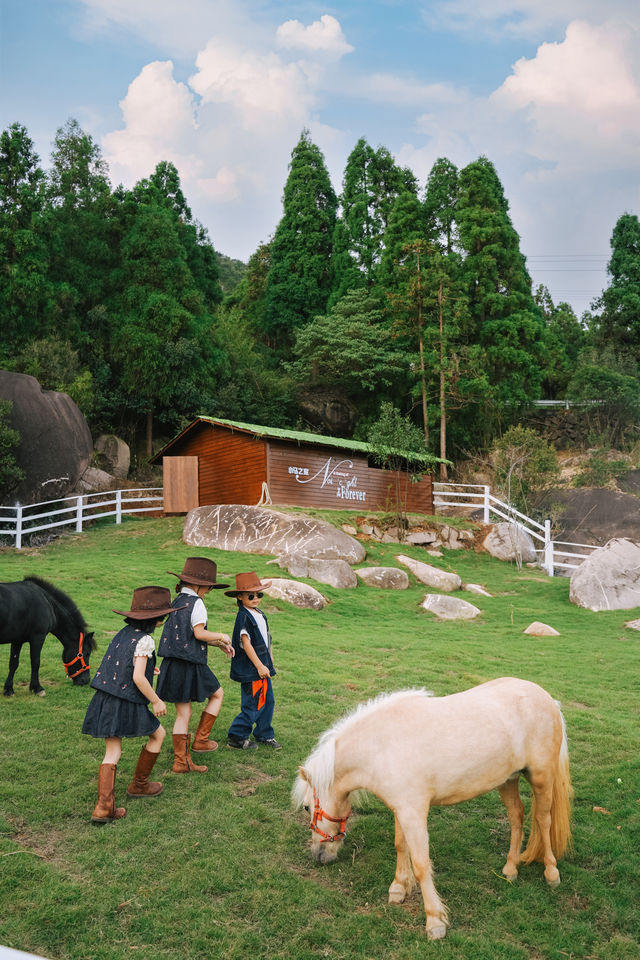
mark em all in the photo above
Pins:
pixel 252 596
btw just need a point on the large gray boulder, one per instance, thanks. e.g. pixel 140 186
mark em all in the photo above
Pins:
pixel 508 541
pixel 247 529
pixel 387 578
pixel 449 608
pixel 337 573
pixel 55 442
pixel 298 594
pixel 609 579
pixel 431 576
pixel 113 455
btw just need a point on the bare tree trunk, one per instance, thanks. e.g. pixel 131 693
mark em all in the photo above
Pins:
pixel 149 433
pixel 443 412
pixel 423 378
pixel 423 385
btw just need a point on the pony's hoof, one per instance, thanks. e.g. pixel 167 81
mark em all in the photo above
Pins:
pixel 552 877
pixel 397 893
pixel 509 875
pixel 9 693
pixel 437 931
pixel 41 693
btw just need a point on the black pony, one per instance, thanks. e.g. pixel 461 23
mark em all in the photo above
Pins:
pixel 29 610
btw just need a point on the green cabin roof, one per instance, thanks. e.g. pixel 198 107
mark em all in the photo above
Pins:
pixel 300 437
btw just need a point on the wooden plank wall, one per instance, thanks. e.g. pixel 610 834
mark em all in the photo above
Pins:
pixel 233 466
pixel 333 479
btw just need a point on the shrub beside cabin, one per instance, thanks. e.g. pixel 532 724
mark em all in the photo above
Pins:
pixel 220 461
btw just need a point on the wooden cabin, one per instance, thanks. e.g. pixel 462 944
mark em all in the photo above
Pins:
pixel 220 461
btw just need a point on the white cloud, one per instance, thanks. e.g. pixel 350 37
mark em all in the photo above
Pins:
pixel 322 36
pixel 580 98
pixel 229 130
pixel 525 18
pixel 176 28
pixel 405 92
pixel 261 88
pixel 160 124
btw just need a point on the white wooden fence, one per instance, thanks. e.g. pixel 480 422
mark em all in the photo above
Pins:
pixel 20 521
pixel 553 554
pixel 75 511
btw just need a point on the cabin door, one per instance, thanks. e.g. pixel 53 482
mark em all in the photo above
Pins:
pixel 180 480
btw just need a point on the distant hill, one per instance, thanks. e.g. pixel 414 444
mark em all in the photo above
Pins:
pixel 231 272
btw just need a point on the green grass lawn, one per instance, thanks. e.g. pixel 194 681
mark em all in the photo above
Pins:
pixel 218 865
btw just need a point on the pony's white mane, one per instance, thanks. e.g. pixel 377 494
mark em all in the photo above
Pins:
pixel 319 765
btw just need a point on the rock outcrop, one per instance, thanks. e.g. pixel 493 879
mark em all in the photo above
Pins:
pixel 55 442
pixel 507 541
pixel 449 608
pixel 431 576
pixel 299 594
pixel 337 573
pixel 258 530
pixel 113 455
pixel 387 578
pixel 538 629
pixel 609 579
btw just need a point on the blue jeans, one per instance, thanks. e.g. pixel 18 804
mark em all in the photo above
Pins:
pixel 250 714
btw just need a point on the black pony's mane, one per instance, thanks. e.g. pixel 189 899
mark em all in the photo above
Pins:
pixel 67 604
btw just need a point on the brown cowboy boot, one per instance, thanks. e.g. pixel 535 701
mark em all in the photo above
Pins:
pixel 201 742
pixel 182 762
pixel 106 810
pixel 140 786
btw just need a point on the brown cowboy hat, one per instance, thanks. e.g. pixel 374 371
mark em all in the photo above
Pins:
pixel 200 571
pixel 149 602
pixel 245 583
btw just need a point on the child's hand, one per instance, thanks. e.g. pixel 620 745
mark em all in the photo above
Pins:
pixel 156 671
pixel 263 671
pixel 159 709
pixel 226 645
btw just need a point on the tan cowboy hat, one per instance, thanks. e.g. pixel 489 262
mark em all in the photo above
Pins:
pixel 246 582
pixel 200 571
pixel 149 602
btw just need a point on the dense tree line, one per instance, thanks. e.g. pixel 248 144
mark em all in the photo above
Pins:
pixel 389 293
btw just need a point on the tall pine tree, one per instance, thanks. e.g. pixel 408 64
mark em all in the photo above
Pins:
pixel 26 304
pixel 298 284
pixel 504 319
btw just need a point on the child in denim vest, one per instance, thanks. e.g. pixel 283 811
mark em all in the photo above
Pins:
pixel 252 667
pixel 124 686
pixel 185 676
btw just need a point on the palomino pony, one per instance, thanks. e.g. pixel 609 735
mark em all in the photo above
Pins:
pixel 29 610
pixel 413 751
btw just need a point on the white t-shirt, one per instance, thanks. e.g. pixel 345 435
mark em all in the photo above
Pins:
pixel 145 647
pixel 199 612
pixel 259 618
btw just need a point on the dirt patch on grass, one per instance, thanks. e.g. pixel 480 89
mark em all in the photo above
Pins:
pixel 247 785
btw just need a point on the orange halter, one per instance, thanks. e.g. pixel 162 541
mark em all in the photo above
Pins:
pixel 318 813
pixel 77 659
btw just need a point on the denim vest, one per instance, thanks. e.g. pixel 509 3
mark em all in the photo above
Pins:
pixel 242 668
pixel 115 673
pixel 177 640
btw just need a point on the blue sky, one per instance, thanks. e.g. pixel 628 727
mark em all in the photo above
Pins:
pixel 549 90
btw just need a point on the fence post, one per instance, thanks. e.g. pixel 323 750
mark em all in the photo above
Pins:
pixel 485 518
pixel 118 506
pixel 548 548
pixel 18 527
pixel 78 514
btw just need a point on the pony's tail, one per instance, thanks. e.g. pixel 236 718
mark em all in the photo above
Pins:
pixel 560 831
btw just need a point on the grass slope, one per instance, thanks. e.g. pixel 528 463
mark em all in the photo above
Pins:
pixel 218 865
